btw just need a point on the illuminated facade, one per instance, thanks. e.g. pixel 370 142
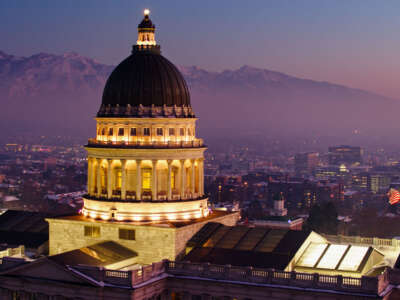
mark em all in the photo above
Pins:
pixel 145 163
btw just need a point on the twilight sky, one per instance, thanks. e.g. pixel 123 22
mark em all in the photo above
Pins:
pixel 351 42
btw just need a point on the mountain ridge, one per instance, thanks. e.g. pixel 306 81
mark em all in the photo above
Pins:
pixel 190 73
pixel 65 92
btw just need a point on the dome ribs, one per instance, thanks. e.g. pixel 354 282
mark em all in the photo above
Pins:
pixel 144 78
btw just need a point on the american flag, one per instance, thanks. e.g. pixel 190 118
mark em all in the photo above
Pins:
pixel 394 196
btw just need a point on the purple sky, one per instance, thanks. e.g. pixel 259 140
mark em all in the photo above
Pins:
pixel 350 42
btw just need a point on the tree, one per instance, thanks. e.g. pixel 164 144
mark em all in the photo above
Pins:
pixel 323 218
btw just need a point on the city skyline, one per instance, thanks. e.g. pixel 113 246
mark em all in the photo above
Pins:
pixel 342 42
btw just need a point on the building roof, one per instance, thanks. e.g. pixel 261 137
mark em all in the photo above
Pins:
pixel 337 257
pixel 24 228
pixel 24 221
pixel 99 255
pixel 28 239
pixel 243 246
pixel 145 79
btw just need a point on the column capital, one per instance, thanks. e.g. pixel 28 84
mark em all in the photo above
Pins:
pixel 169 161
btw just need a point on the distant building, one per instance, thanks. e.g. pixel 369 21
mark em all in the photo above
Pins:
pixel 361 180
pixel 279 206
pixel 279 222
pixel 306 162
pixel 379 183
pixel 345 155
pixel 305 193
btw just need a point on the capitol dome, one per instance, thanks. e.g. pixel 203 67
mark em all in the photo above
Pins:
pixel 146 84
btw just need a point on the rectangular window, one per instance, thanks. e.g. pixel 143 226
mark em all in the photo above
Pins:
pixel 173 179
pixel 172 131
pixel 182 131
pixel 120 132
pixel 146 177
pixel 119 179
pixel 133 131
pixel 159 131
pixel 92 231
pixel 110 131
pixel 127 234
pixel 146 131
pixel 189 132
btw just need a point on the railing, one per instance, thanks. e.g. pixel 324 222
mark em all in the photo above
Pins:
pixel 196 143
pixel 370 241
pixel 132 198
pixel 18 251
pixel 247 274
pixel 123 278
pixel 366 285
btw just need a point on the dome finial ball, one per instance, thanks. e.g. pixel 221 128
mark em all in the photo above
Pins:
pixel 146 12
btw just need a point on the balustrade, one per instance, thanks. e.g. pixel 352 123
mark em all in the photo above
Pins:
pixel 227 272
pixel 147 144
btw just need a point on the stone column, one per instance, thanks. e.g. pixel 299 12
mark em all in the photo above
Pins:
pixel 192 187
pixel 154 180
pixel 169 188
pixel 138 179
pixel 109 181
pixel 90 171
pixel 201 176
pixel 123 179
pixel 183 178
pixel 98 177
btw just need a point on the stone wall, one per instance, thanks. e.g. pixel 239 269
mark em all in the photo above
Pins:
pixel 152 242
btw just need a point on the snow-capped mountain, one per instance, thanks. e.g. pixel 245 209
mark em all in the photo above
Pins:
pixel 47 92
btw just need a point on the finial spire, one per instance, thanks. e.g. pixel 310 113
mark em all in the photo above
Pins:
pixel 146 31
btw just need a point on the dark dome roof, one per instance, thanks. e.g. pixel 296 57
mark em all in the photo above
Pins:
pixel 146 84
pixel 145 78
pixel 146 23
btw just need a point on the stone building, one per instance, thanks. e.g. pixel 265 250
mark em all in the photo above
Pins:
pixel 145 185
